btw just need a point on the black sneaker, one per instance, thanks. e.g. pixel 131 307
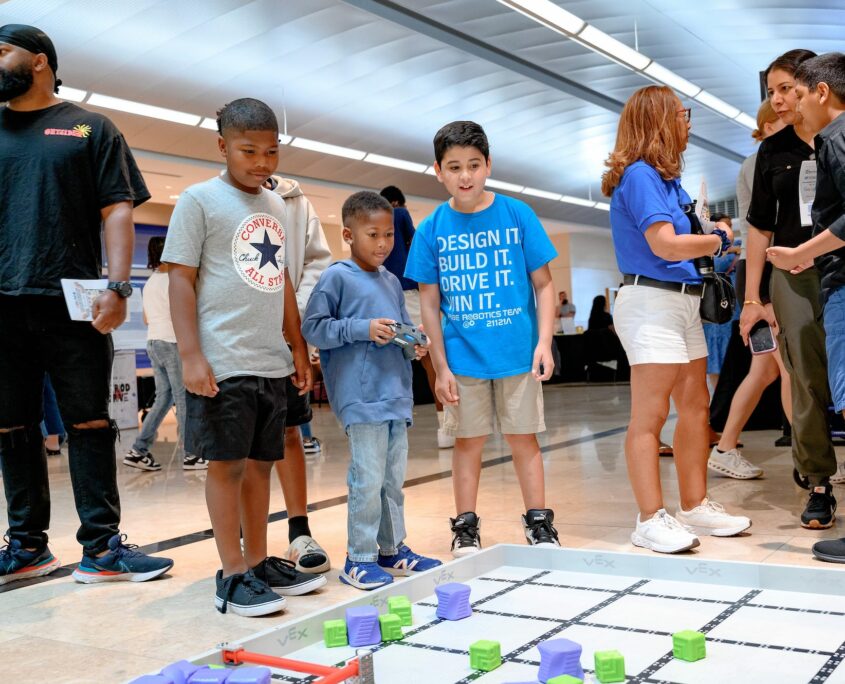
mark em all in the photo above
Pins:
pixel 539 530
pixel 136 459
pixel 821 508
pixel 830 550
pixel 244 594
pixel 282 575
pixel 191 462
pixel 465 539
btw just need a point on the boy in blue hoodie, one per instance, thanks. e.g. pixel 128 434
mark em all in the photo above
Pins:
pixel 368 381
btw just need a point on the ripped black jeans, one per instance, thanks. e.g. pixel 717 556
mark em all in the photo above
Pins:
pixel 38 337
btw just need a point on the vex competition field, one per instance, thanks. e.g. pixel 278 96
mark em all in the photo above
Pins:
pixel 762 623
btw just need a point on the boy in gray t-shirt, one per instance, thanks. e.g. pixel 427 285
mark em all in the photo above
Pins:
pixel 231 299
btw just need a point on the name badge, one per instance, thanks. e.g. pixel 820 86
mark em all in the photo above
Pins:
pixel 807 190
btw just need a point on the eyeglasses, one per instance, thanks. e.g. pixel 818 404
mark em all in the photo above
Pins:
pixel 687 114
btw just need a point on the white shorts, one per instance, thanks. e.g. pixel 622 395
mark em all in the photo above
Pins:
pixel 658 326
pixel 412 305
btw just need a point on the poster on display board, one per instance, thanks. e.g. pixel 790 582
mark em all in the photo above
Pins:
pixel 123 395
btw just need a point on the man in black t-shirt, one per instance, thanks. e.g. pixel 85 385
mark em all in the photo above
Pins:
pixel 64 173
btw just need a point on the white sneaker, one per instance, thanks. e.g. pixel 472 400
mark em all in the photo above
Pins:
pixel 733 464
pixel 664 534
pixel 838 477
pixel 445 441
pixel 308 555
pixel 711 518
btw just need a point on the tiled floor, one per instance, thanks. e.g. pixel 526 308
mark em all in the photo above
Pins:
pixel 59 631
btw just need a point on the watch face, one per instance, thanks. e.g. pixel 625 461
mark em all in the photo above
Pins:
pixel 124 289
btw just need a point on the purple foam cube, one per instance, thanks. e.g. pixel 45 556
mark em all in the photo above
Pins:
pixel 152 679
pixel 208 675
pixel 453 601
pixel 180 672
pixel 249 675
pixel 362 626
pixel 559 657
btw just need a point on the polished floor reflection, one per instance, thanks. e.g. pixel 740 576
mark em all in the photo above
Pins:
pixel 111 633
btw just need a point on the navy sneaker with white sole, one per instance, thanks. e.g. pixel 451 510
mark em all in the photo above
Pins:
pixel 16 563
pixel 405 562
pixel 122 563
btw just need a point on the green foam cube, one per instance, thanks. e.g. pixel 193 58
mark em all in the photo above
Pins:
pixel 688 645
pixel 610 666
pixel 485 655
pixel 401 606
pixel 334 633
pixel 564 679
pixel 391 627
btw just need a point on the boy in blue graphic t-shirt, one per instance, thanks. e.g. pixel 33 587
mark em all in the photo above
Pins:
pixel 482 260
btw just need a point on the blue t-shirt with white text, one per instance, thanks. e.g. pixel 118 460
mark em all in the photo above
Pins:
pixel 483 264
pixel 642 199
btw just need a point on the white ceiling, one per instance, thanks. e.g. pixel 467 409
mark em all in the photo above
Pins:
pixel 341 73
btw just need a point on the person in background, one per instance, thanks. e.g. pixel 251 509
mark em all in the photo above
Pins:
pixel 717 335
pixel 565 313
pixel 403 226
pixel 657 319
pixel 777 218
pixel 52 426
pixel 725 456
pixel 600 318
pixel 167 369
pixel 307 255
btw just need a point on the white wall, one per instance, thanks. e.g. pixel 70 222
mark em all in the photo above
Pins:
pixel 593 269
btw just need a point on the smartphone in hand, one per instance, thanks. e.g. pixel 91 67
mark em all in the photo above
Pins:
pixel 762 339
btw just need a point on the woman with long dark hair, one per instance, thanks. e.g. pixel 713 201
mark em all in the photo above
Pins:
pixel 656 316
pixel 776 216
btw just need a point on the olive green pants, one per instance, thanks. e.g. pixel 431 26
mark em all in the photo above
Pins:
pixel 798 309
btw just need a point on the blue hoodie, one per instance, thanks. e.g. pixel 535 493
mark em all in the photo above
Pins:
pixel 366 382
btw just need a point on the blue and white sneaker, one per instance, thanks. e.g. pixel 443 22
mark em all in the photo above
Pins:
pixel 16 563
pixel 123 562
pixel 405 562
pixel 366 576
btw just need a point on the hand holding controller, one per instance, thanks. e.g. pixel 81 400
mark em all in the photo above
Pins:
pixel 408 337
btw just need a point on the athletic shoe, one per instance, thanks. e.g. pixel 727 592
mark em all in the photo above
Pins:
pixel 246 595
pixel 308 555
pixel 838 477
pixel 821 508
pixel 123 562
pixel 444 440
pixel 135 459
pixel 539 530
pixel 311 445
pixel 16 563
pixel 465 536
pixel 732 464
pixel 664 534
pixel 282 575
pixel 830 550
pixel 665 449
pixel 711 518
pixel 405 562
pixel 784 441
pixel 366 576
pixel 191 462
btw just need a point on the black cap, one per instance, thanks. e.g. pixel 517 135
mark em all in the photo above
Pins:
pixel 32 39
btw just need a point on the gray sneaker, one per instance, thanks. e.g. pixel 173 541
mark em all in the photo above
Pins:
pixel 244 594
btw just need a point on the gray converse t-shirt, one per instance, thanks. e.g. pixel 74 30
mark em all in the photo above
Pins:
pixel 237 241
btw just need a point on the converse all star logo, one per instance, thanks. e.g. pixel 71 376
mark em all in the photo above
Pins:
pixel 258 252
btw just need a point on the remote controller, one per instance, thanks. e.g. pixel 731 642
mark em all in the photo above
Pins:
pixel 407 336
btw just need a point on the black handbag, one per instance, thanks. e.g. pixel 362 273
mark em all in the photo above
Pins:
pixel 719 298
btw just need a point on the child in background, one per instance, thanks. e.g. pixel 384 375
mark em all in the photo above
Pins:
pixel 482 259
pixel 231 300
pixel 368 381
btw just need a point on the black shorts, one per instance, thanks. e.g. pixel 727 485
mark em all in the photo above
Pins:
pixel 299 406
pixel 245 420
pixel 37 337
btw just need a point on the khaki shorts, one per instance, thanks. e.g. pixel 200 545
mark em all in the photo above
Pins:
pixel 412 306
pixel 514 405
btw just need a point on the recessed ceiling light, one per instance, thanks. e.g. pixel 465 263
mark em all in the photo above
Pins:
pixel 543 194
pixel 326 148
pixel 430 171
pixel 501 185
pixel 395 163
pixel 569 199
pixel 745 120
pixel 72 94
pixel 131 107
pixel 174 196
pixel 548 13
pixel 604 206
pixel 332 216
pixel 671 79
pixel 616 49
pixel 715 103
pixel 210 124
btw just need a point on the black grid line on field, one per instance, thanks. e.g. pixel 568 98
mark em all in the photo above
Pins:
pixel 666 658
pixel 832 663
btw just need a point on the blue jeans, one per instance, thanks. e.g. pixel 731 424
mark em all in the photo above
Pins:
pixel 834 327
pixel 52 423
pixel 167 369
pixel 376 520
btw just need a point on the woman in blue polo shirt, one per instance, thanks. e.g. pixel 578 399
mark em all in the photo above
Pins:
pixel 657 320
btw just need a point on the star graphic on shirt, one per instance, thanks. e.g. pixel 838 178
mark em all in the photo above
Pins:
pixel 268 251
